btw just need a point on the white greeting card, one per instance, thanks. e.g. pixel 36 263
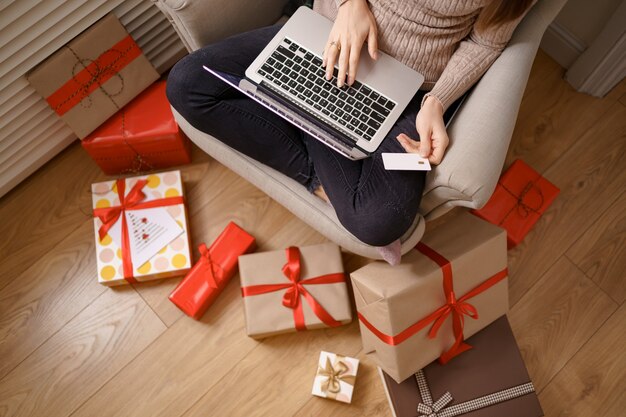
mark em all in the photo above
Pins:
pixel 149 231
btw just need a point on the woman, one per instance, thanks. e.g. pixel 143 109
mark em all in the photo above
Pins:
pixel 452 43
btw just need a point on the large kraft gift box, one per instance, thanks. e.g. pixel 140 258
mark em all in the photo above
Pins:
pixel 490 380
pixel 521 196
pixel 143 136
pixel 294 289
pixel 453 284
pixel 141 228
pixel 93 76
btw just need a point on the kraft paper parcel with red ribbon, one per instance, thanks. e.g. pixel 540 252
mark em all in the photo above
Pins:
pixel 265 288
pixel 410 314
pixel 215 267
pixel 93 76
pixel 520 198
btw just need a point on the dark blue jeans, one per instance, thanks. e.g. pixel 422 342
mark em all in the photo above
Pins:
pixel 375 205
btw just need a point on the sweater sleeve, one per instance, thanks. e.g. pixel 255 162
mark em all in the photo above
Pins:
pixel 470 61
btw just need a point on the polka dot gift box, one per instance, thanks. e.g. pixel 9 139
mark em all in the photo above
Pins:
pixel 141 230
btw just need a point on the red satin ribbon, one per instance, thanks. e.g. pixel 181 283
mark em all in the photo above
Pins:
pixel 94 74
pixel 132 201
pixel 212 271
pixel 295 289
pixel 458 308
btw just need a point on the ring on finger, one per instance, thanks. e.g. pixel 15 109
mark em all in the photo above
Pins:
pixel 336 44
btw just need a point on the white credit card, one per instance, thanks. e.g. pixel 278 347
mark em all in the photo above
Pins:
pixel 405 162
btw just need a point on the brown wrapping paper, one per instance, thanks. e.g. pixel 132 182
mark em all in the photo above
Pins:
pixel 266 315
pixel 494 364
pixel 112 95
pixel 394 298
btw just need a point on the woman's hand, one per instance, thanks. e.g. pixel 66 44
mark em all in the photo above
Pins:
pixel 431 130
pixel 354 25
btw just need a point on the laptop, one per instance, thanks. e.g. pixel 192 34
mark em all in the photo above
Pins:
pixel 287 77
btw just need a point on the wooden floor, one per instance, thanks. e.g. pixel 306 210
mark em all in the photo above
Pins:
pixel 69 346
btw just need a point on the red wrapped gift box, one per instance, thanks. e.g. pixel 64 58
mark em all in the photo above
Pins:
pixel 520 198
pixel 143 136
pixel 216 266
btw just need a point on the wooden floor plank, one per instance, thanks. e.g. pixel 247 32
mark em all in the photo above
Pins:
pixel 290 361
pixel 593 382
pixel 54 287
pixel 556 317
pixel 73 364
pixel 49 208
pixel 199 354
pixel 551 118
pixel 591 177
pixel 179 367
pixel 368 400
pixel 601 252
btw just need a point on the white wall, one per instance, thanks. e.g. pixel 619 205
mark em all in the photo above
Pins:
pixel 576 27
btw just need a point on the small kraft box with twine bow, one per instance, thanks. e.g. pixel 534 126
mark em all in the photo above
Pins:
pixel 335 377
pixel 453 284
pixel 521 197
pixel 294 289
pixel 93 76
pixel 143 136
pixel 141 228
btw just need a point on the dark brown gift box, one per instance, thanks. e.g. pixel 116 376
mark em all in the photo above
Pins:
pixel 494 364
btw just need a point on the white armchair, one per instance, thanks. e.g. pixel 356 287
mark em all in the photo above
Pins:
pixel 479 134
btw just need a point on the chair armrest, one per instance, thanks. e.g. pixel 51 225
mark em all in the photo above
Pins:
pixel 481 130
pixel 201 22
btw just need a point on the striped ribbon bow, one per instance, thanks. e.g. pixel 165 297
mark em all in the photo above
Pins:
pixel 428 408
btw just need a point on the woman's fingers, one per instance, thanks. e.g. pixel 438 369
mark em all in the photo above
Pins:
pixel 353 63
pixel 372 42
pixel 344 56
pixel 425 141
pixel 332 52
pixel 409 145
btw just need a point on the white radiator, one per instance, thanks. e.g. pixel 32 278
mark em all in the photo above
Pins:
pixel 30 31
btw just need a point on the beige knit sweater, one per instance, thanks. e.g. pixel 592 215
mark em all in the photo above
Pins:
pixel 437 38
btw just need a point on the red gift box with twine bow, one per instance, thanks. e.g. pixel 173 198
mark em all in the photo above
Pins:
pixel 216 266
pixel 93 76
pixel 294 289
pixel 520 198
pixel 143 136
pixel 453 284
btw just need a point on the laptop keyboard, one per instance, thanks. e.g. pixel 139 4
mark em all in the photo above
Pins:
pixel 356 109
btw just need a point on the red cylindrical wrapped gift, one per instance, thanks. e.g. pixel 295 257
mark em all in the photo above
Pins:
pixel 216 266
pixel 143 136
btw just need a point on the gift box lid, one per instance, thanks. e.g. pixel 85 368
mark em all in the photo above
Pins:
pixel 494 364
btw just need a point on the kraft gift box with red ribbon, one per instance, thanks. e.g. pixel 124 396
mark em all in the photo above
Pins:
pixel 453 284
pixel 521 196
pixel 489 380
pixel 294 289
pixel 143 136
pixel 141 228
pixel 93 76
pixel 216 266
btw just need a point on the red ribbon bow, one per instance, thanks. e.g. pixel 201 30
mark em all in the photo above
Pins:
pixel 457 307
pixel 132 201
pixel 296 290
